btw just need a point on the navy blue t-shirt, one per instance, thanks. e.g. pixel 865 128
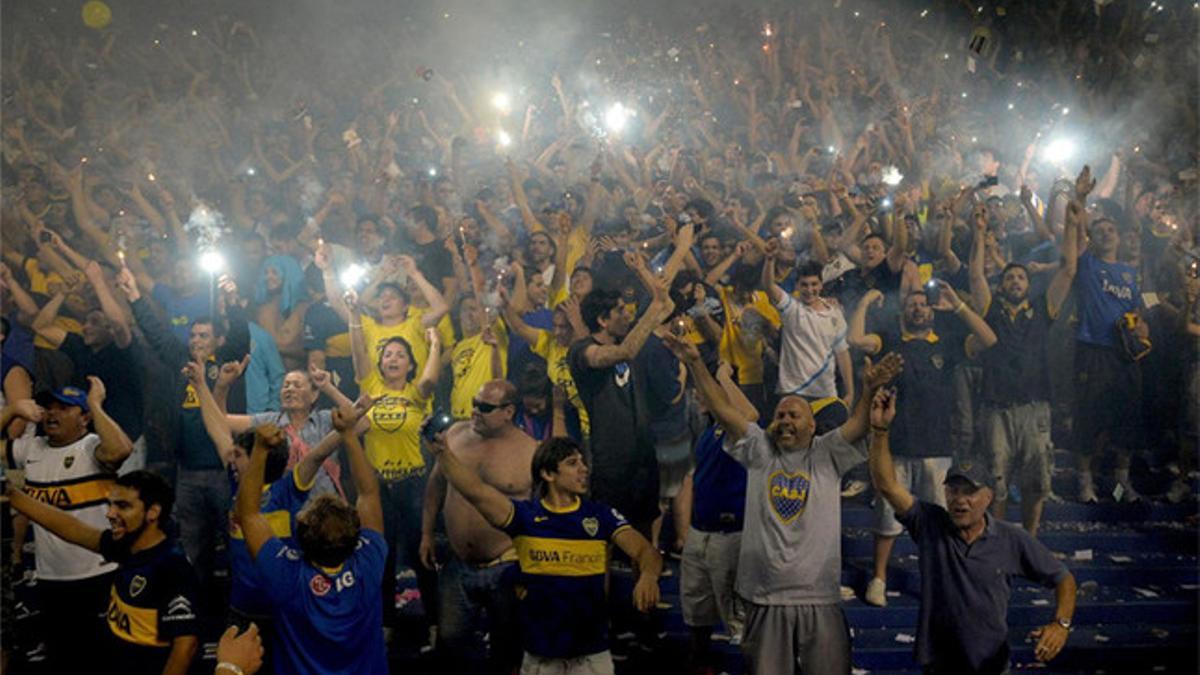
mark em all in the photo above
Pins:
pixel 719 485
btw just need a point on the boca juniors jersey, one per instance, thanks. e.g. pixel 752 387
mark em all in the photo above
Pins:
pixel 152 602
pixel 328 621
pixel 563 556
pixel 281 501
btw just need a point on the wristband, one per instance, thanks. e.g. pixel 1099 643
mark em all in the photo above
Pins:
pixel 233 668
pixel 354 325
pixel 960 308
pixel 879 430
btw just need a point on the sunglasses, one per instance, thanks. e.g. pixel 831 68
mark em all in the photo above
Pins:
pixel 485 407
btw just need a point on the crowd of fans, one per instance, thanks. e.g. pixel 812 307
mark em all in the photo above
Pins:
pixel 273 333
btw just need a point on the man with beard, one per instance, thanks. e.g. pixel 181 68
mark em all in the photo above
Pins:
pixel 967 560
pixel 922 433
pixel 790 563
pixel 73 470
pixel 1016 375
pixel 151 607
pixel 477 580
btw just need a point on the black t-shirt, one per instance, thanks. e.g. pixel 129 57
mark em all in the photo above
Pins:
pixel 121 372
pixel 153 601
pixel 1015 369
pixel 434 261
pixel 925 389
pixel 624 466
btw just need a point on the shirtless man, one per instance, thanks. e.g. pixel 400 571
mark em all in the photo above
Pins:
pixel 476 580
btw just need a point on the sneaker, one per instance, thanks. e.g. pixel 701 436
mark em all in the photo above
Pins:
pixel 1124 492
pixel 1178 491
pixel 854 488
pixel 847 593
pixel 1087 489
pixel 876 593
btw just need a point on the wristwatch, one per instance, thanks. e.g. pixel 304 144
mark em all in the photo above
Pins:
pixel 1064 622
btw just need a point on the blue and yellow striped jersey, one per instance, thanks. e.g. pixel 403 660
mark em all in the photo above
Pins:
pixel 153 601
pixel 563 555
pixel 281 501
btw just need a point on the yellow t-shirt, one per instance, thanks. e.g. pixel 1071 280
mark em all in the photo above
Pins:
pixel 411 329
pixel 577 243
pixel 393 443
pixel 471 363
pixel 559 371
pixel 747 359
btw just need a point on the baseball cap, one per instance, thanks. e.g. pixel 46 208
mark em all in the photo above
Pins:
pixel 68 395
pixel 973 472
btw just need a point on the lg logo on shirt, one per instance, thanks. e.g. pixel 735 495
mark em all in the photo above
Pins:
pixel 320 584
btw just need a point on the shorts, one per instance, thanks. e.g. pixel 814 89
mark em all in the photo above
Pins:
pixel 1108 391
pixel 796 638
pixel 600 663
pixel 921 476
pixel 1017 442
pixel 674 464
pixel 706 580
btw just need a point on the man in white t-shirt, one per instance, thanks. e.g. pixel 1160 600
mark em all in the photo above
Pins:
pixel 72 469
pixel 813 349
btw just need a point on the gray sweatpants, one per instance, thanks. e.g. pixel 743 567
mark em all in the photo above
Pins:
pixel 783 639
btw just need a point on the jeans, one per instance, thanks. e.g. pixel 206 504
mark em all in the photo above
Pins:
pixel 402 501
pixel 202 501
pixel 465 594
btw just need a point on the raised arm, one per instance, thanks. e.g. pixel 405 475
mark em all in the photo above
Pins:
pixel 775 292
pixel 366 483
pixel 883 469
pixel 44 324
pixel 115 445
pixel 856 332
pixel 604 356
pixel 437 303
pixel 215 423
pixel 59 522
pixel 982 336
pixel 981 291
pixel 117 318
pixel 433 364
pixel 496 508
pixel 247 507
pixel 515 322
pixel 733 420
pixel 1060 285
pixel 359 354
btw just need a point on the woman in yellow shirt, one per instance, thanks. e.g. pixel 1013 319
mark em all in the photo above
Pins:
pixel 393 442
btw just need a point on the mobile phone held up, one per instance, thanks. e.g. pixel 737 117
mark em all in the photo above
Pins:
pixel 933 292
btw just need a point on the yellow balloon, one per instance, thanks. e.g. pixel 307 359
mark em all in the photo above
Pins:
pixel 96 14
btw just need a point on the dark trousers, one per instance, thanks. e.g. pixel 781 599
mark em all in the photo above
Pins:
pixel 73 618
pixel 468 595
pixel 402 501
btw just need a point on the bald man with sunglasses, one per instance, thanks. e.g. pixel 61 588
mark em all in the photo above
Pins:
pixel 475 581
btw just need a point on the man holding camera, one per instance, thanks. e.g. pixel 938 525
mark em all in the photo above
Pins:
pixel 477 579
pixel 921 434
